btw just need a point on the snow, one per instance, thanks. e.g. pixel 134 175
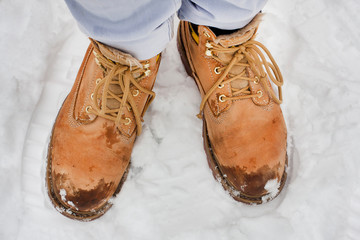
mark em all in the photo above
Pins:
pixel 170 192
pixel 63 198
pixel 63 194
pixel 272 186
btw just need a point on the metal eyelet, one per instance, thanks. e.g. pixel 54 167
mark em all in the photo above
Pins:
pixel 129 108
pixel 128 121
pixel 216 70
pixel 135 93
pixel 208 44
pixel 147 72
pixel 208 53
pixel 97 81
pixel 221 86
pixel 206 34
pixel 259 92
pixel 87 109
pixel 221 98
pixel 97 62
pixel 257 80
pixel 147 65
pixel 92 96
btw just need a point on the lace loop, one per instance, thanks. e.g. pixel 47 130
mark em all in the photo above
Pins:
pixel 122 77
pixel 249 54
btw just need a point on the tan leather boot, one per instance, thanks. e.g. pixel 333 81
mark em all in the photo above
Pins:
pixel 244 130
pixel 94 132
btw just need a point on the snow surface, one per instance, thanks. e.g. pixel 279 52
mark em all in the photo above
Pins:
pixel 170 192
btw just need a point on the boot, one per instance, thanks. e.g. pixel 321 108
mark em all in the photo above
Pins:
pixel 94 132
pixel 243 127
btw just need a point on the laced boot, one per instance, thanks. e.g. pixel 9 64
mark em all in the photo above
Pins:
pixel 243 127
pixel 94 132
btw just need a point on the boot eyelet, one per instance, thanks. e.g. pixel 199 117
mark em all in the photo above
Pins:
pixel 208 53
pixel 98 81
pixel 256 80
pixel 147 72
pixel 135 93
pixel 87 109
pixel 260 92
pixel 128 121
pixel 92 96
pixel 97 62
pixel 221 86
pixel 221 98
pixel 129 108
pixel 216 70
pixel 206 34
pixel 208 44
pixel 147 65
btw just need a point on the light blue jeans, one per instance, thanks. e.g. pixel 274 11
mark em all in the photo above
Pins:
pixel 144 27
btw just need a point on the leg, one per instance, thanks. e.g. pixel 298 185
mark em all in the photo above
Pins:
pixel 141 28
pixel 225 14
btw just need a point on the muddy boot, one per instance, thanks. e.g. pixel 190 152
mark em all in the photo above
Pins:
pixel 94 133
pixel 243 127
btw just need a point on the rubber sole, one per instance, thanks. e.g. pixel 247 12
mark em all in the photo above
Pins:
pixel 211 158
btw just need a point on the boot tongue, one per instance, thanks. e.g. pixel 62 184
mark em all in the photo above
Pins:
pixel 234 39
pixel 228 42
pixel 118 56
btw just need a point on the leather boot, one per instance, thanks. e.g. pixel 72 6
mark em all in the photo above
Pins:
pixel 243 127
pixel 94 132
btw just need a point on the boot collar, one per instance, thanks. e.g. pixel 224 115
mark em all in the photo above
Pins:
pixel 116 55
pixel 240 36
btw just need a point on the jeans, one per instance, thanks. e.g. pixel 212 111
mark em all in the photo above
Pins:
pixel 144 27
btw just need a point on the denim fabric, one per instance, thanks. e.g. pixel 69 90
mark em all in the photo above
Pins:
pixel 222 14
pixel 144 27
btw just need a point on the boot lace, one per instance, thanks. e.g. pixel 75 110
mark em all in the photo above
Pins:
pixel 127 78
pixel 249 54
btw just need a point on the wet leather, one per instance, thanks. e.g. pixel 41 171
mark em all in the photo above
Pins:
pixel 89 154
pixel 247 137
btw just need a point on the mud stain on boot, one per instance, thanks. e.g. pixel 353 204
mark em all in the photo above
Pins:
pixel 250 183
pixel 83 199
pixel 111 135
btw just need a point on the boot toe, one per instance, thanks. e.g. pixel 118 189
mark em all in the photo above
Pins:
pixel 264 181
pixel 89 196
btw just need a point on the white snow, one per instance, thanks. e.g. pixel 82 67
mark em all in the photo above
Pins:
pixel 170 192
pixel 72 204
pixel 63 198
pixel 272 187
pixel 63 194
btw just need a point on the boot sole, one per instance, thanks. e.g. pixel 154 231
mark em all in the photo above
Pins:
pixel 211 158
pixel 65 210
